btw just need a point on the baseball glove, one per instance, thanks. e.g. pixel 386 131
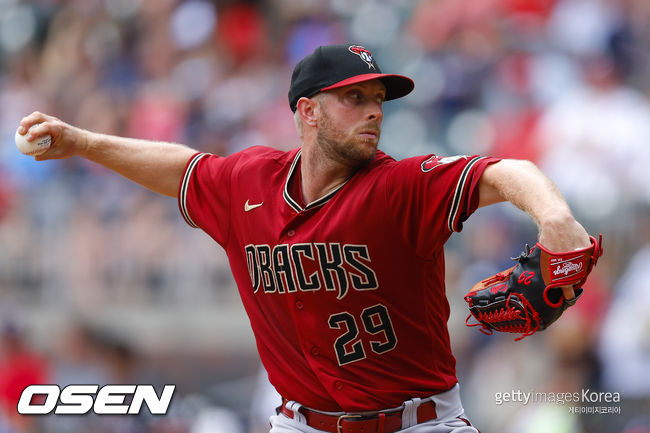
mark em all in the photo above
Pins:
pixel 527 297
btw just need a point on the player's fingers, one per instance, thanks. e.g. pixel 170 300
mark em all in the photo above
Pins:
pixel 53 152
pixel 66 140
pixel 568 292
pixel 29 120
pixel 37 130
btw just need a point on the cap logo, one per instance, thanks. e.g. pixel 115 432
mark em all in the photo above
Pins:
pixel 363 53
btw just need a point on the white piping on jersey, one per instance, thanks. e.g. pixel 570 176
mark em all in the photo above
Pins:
pixel 184 185
pixel 460 187
pixel 319 202
pixel 290 201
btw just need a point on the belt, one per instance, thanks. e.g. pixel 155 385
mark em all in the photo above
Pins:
pixel 384 421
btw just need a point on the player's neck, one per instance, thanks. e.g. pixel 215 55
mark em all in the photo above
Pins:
pixel 320 175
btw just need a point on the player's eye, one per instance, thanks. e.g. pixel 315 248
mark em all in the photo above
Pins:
pixel 358 97
pixel 355 95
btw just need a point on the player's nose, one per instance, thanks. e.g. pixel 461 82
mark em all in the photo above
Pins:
pixel 375 112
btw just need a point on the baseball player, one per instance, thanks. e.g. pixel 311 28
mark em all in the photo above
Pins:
pixel 337 248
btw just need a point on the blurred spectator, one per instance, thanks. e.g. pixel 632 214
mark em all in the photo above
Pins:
pixel 20 366
pixel 625 336
pixel 595 142
pixel 263 404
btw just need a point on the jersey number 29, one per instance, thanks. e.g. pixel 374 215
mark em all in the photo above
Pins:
pixel 349 347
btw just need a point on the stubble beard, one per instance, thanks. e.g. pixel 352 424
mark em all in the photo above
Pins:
pixel 354 152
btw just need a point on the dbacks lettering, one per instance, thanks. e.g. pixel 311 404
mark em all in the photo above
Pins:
pixel 310 267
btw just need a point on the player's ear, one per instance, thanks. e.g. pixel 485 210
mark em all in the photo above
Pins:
pixel 308 110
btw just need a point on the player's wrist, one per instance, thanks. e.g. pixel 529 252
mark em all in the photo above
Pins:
pixel 555 217
pixel 561 232
pixel 84 142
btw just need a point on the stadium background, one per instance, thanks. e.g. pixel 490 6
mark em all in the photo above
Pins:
pixel 102 282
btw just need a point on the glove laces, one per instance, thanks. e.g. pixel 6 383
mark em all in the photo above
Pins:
pixel 508 313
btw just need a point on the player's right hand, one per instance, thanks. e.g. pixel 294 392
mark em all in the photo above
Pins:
pixel 67 140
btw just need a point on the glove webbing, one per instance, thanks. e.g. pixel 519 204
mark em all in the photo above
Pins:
pixel 508 313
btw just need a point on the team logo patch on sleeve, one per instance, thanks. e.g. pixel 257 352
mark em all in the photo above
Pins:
pixel 436 161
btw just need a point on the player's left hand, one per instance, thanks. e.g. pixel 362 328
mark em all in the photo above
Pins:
pixel 526 297
pixel 564 235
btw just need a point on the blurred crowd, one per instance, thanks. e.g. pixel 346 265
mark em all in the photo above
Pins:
pixel 102 282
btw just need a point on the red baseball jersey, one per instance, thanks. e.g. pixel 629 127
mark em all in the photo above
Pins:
pixel 345 295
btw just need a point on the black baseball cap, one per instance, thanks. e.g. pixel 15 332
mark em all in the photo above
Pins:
pixel 332 66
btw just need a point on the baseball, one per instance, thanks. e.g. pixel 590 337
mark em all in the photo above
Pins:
pixel 36 147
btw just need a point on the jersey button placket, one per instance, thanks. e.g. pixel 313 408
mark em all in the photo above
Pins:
pixel 338 385
pixel 291 233
pixel 315 351
pixel 299 305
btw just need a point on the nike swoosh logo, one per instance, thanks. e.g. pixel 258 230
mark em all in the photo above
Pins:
pixel 249 207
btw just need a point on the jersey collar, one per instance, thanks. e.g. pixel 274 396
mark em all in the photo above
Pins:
pixel 294 204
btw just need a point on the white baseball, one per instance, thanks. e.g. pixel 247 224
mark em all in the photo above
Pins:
pixel 37 146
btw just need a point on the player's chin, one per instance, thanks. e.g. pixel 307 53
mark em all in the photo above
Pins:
pixel 364 154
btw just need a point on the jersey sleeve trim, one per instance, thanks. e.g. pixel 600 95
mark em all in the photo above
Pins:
pixel 452 219
pixel 182 194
